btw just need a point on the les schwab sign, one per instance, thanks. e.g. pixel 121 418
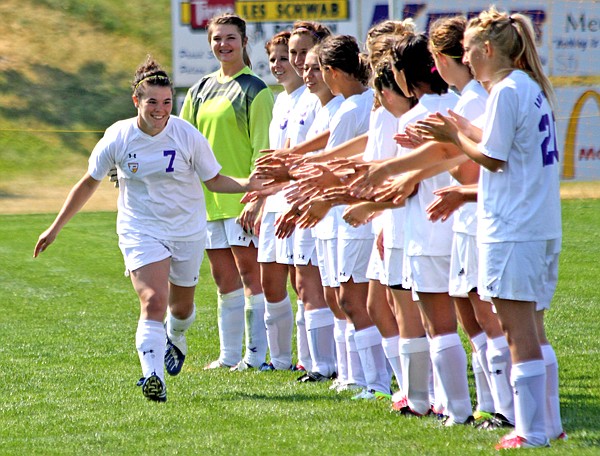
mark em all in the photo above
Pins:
pixel 197 13
pixel 275 11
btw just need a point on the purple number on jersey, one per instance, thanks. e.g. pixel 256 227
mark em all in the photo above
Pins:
pixel 549 147
pixel 170 153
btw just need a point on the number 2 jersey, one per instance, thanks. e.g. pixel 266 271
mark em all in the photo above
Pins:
pixel 160 193
pixel 521 202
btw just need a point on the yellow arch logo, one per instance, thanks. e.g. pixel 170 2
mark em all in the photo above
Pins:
pixel 569 161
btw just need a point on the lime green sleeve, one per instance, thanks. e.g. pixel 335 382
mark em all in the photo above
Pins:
pixel 261 113
pixel 186 109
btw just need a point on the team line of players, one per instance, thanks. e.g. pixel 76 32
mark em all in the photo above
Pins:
pixel 402 190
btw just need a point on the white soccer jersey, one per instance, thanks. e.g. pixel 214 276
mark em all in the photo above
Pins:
pixel 421 236
pixel 323 117
pixel 159 178
pixel 471 105
pixel 522 201
pixel 284 107
pixel 395 220
pixel 302 116
pixel 279 124
pixel 350 121
pixel 381 145
pixel 326 228
pixel 382 128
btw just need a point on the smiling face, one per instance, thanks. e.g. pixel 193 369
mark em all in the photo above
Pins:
pixel 280 66
pixel 313 78
pixel 227 44
pixel 154 108
pixel 299 46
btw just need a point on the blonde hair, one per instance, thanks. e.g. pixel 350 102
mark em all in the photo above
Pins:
pixel 388 27
pixel 514 37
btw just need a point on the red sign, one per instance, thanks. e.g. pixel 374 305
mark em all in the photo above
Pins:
pixel 203 10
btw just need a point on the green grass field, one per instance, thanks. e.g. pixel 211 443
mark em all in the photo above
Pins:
pixel 68 364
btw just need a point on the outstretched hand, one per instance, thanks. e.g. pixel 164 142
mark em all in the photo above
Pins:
pixel 397 190
pixel 411 138
pixel 369 177
pixel 45 239
pixel 448 200
pixel 313 214
pixel 441 128
pixel 359 214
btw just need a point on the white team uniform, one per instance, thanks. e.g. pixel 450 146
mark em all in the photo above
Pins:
pixel 160 195
pixel 519 217
pixel 380 146
pixel 354 244
pixel 268 250
pixel 427 245
pixel 465 257
pixel 301 118
pixel 305 250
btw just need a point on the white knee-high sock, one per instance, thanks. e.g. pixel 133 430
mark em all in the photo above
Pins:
pixel 499 364
pixel 485 400
pixel 450 365
pixel 176 329
pixel 341 352
pixel 416 364
pixel 529 383
pixel 302 338
pixel 391 348
pixel 319 327
pixel 279 321
pixel 150 340
pixel 355 372
pixel 256 333
pixel 437 394
pixel 231 326
pixel 372 359
pixel 554 426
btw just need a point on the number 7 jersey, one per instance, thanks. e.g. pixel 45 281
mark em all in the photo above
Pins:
pixel 159 178
pixel 521 202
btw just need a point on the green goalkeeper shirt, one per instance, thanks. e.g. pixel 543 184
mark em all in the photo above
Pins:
pixel 234 114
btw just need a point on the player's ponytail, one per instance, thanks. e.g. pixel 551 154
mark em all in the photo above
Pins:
pixel 513 37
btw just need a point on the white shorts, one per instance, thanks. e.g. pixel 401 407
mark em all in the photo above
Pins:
pixel 519 271
pixel 270 248
pixel 186 256
pixel 266 239
pixel 393 262
pixel 222 234
pixel 429 273
pixel 305 248
pixel 550 279
pixel 464 265
pixel 375 268
pixel 327 258
pixel 353 259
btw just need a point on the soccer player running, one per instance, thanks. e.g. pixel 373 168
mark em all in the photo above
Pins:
pixel 232 107
pixel 519 215
pixel 161 219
